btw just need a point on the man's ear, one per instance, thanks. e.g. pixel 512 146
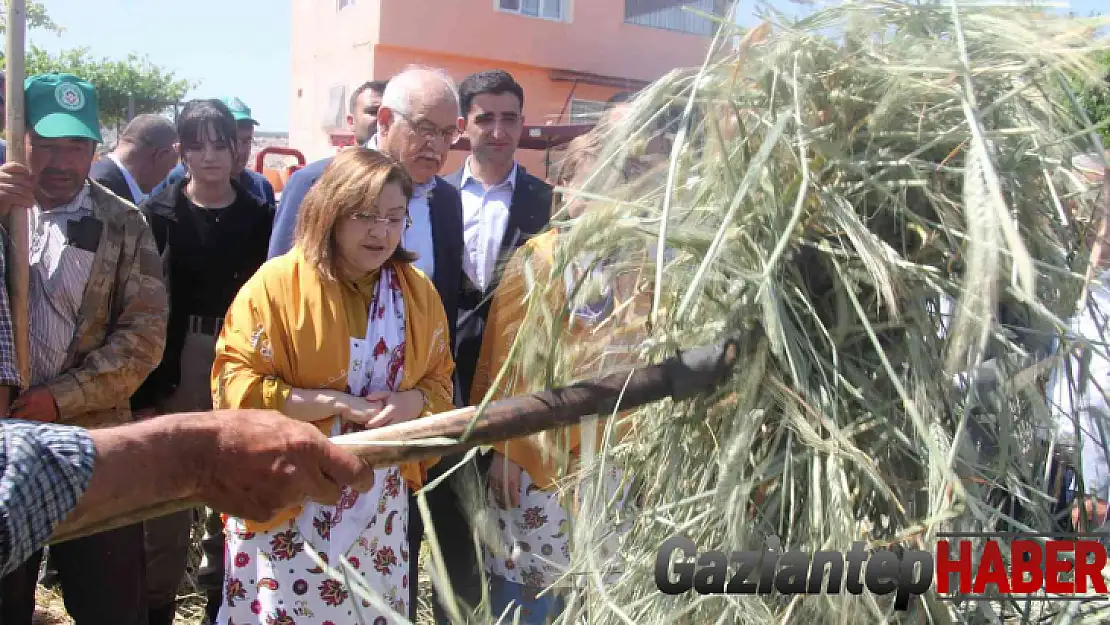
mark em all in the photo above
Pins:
pixel 350 122
pixel 168 150
pixel 385 121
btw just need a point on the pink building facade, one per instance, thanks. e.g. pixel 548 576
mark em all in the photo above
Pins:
pixel 569 55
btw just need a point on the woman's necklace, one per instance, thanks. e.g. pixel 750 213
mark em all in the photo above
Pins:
pixel 214 215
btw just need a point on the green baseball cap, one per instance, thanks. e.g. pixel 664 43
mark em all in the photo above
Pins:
pixel 62 106
pixel 239 110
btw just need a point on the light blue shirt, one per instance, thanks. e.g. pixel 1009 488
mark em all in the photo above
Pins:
pixel 418 235
pixel 485 217
pixel 44 470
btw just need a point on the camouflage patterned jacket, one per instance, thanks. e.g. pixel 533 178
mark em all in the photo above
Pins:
pixel 121 326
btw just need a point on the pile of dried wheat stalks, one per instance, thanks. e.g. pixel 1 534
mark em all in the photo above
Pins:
pixel 833 184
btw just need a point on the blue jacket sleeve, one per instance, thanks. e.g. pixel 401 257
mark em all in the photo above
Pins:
pixel 268 191
pixel 177 173
pixel 285 221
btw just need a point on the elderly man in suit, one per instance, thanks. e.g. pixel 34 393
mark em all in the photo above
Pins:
pixel 142 159
pixel 418 122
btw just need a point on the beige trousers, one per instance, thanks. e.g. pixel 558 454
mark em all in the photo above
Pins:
pixel 168 538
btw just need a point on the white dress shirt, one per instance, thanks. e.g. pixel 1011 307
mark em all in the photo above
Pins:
pixel 485 217
pixel 136 192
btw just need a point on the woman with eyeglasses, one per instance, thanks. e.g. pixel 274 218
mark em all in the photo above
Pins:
pixel 345 333
pixel 212 235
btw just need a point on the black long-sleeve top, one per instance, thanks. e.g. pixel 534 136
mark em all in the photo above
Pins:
pixel 207 255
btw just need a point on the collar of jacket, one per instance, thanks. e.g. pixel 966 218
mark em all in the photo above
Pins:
pixel 106 206
pixel 165 202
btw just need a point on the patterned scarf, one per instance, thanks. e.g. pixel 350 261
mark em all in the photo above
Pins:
pixel 377 364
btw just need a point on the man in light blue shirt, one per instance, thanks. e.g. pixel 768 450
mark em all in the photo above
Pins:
pixel 503 206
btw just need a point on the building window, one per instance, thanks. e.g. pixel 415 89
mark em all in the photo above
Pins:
pixel 341 4
pixel 547 9
pixel 335 111
pixel 585 111
pixel 674 18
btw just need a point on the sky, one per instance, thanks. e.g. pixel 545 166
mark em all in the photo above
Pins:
pixel 251 57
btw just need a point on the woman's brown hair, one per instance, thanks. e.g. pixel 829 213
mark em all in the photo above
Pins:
pixel 351 183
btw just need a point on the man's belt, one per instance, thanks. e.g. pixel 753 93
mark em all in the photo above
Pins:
pixel 205 325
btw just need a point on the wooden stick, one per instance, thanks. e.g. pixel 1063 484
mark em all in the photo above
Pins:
pixel 681 377
pixel 19 254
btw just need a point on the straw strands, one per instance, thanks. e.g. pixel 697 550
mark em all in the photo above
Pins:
pixel 880 200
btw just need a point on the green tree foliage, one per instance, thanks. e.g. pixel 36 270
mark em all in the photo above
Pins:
pixel 37 18
pixel 152 88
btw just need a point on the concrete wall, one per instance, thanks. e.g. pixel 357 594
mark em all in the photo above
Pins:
pixel 330 48
pixel 373 39
pixel 595 40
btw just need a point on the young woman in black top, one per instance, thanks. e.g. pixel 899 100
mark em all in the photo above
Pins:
pixel 212 235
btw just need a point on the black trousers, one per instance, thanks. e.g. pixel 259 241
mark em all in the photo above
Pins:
pixel 102 577
pixel 167 554
pixel 453 532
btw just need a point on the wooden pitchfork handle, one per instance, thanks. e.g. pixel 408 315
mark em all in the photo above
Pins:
pixel 681 377
pixel 18 256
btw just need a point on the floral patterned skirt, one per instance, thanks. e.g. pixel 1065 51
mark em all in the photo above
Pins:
pixel 537 535
pixel 270 578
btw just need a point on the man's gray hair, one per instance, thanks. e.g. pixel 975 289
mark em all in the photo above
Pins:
pixel 149 131
pixel 399 93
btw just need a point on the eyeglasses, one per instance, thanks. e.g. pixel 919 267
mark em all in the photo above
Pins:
pixel 428 131
pixel 370 219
